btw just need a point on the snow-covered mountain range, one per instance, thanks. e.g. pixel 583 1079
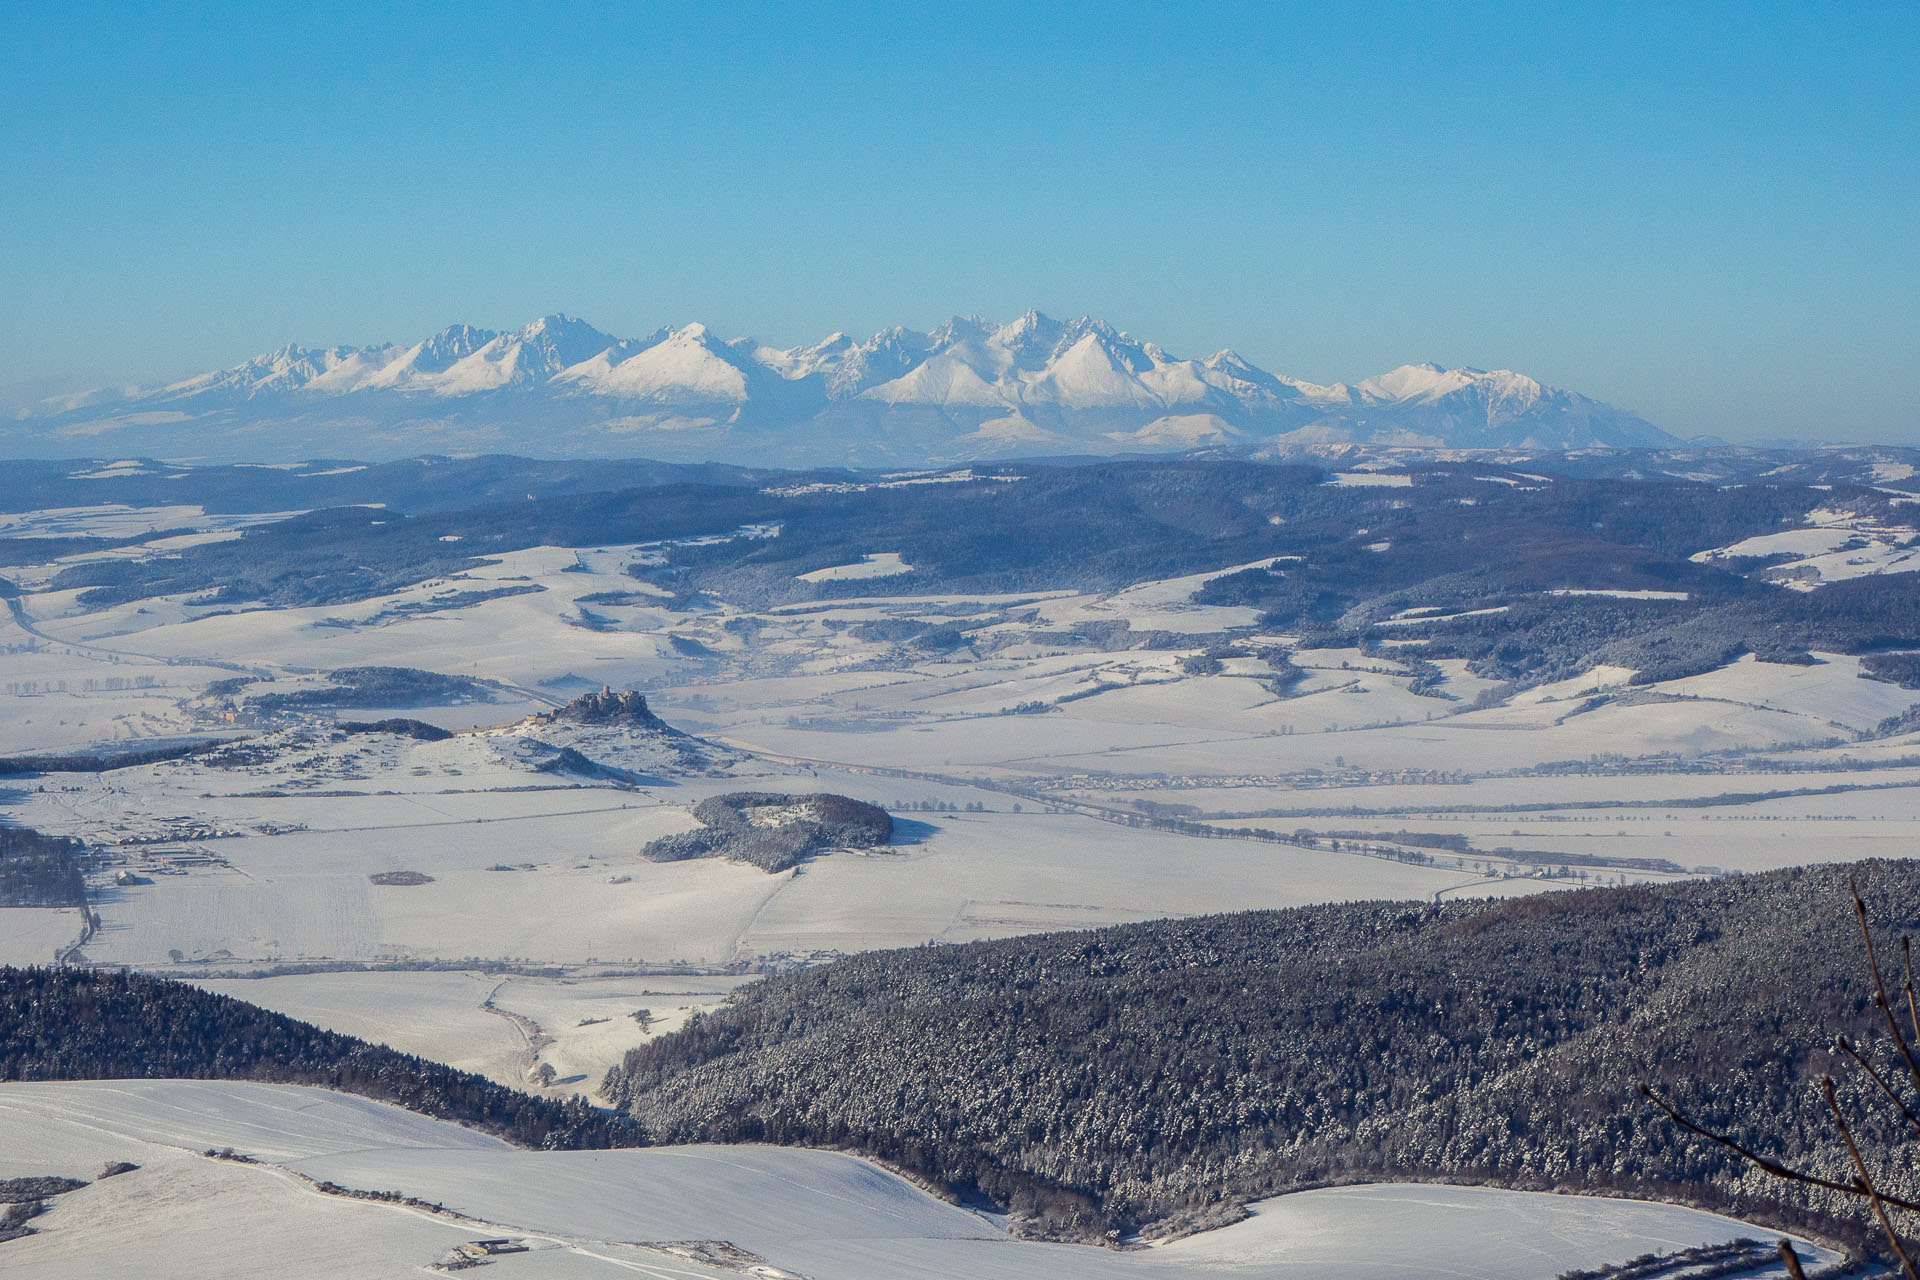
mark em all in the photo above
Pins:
pixel 969 389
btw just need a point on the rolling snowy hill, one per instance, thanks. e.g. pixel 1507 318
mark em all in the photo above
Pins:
pixel 969 389
pixel 687 1213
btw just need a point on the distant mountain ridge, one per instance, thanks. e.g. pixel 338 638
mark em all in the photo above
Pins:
pixel 968 389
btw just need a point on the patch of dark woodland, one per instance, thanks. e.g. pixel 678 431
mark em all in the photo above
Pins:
pixel 775 831
pixel 40 870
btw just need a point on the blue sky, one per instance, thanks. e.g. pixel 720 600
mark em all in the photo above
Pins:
pixel 1707 213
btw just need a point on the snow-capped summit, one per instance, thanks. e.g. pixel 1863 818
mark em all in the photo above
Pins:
pixel 1030 340
pixel 848 367
pixel 560 342
pixel 968 388
pixel 1431 382
pixel 1501 408
pixel 291 368
pixel 419 366
pixel 797 362
pixel 963 329
pixel 687 365
pixel 526 358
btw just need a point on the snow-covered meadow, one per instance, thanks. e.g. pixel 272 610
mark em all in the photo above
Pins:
pixel 681 1213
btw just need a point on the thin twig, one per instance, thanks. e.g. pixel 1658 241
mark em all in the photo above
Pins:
pixel 1847 1047
pixel 1792 1259
pixel 1913 1008
pixel 1765 1165
pixel 1880 987
pixel 1865 1180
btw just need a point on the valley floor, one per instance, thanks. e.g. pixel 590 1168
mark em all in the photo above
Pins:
pixel 1045 775
pixel 1043 778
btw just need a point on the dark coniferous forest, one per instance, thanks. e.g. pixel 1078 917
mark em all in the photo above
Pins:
pixel 1145 1077
pixel 40 870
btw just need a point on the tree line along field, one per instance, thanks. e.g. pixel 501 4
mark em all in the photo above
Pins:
pixel 83 1024
pixel 39 870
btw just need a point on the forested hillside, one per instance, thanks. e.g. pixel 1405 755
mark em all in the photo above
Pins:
pixel 1144 1077
pixel 1527 577
pixel 40 871
pixel 84 1024
pixel 1027 528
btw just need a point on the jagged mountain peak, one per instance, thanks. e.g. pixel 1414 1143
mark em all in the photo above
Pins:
pixel 1416 379
pixel 555 321
pixel 960 329
pixel 1030 332
pixel 454 342
pixel 560 342
pixel 1412 380
pixel 968 388
pixel 560 328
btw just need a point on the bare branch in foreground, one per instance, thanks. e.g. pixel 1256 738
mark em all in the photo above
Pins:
pixel 1764 1164
pixel 1880 987
pixel 1848 1048
pixel 1865 1179
pixel 1913 1006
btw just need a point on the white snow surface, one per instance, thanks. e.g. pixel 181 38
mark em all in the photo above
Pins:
pixel 1837 544
pixel 1413 1232
pixel 1612 593
pixel 1371 479
pixel 883 564
pixel 804 1213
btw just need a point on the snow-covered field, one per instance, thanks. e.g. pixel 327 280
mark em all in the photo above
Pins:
pixel 1839 544
pixel 115 520
pixel 884 564
pixel 1417 1231
pixel 532 867
pixel 502 1025
pixel 35 935
pixel 1038 772
pixel 1371 478
pixel 783 1212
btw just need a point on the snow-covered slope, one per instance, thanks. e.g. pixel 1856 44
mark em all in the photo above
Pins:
pixel 675 1213
pixel 967 389
pixel 1501 409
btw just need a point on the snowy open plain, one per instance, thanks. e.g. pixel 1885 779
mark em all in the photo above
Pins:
pixel 1040 773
